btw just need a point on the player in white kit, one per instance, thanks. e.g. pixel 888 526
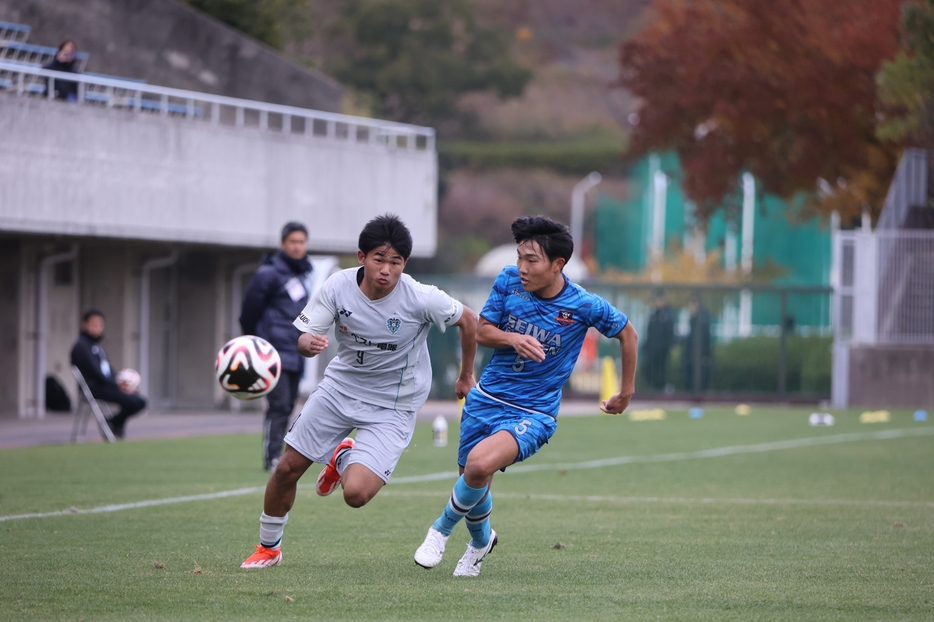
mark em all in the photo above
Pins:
pixel 375 385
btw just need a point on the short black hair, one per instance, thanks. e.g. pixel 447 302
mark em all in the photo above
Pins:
pixel 383 230
pixel 87 315
pixel 291 227
pixel 553 237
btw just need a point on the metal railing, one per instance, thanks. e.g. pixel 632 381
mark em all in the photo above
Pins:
pixel 784 356
pixel 884 287
pixel 909 189
pixel 22 52
pixel 114 93
pixel 11 32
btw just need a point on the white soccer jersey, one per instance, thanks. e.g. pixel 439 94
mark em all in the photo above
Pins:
pixel 382 354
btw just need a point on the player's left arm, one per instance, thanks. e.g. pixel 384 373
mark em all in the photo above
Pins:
pixel 467 326
pixel 628 350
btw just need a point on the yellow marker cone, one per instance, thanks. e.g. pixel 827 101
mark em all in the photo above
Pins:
pixel 609 381
pixel 875 416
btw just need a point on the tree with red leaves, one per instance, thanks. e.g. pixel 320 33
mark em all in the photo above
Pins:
pixel 785 90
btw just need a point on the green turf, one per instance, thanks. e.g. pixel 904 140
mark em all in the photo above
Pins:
pixel 836 531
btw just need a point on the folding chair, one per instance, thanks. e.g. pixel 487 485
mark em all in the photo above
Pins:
pixel 94 406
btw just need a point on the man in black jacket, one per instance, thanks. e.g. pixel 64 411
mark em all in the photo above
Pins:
pixel 657 346
pixel 274 298
pixel 89 357
pixel 66 59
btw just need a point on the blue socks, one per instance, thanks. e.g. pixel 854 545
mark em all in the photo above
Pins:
pixel 462 501
pixel 478 522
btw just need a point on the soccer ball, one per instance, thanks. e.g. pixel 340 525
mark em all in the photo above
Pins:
pixel 248 367
pixel 128 379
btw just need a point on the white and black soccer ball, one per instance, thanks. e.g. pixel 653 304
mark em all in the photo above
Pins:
pixel 128 380
pixel 248 367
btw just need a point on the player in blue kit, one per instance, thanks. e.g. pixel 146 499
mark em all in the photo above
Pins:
pixel 535 319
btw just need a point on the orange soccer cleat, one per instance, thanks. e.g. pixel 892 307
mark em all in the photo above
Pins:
pixel 263 558
pixel 329 479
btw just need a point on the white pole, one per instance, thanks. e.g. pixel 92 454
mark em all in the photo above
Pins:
pixel 577 205
pixel 659 204
pixel 749 220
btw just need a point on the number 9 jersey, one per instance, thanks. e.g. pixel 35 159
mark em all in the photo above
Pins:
pixel 382 354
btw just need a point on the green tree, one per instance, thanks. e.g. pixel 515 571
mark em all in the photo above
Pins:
pixel 906 84
pixel 261 19
pixel 413 58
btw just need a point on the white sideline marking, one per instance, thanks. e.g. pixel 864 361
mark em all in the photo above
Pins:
pixel 569 466
pixel 690 455
pixel 138 504
pixel 674 500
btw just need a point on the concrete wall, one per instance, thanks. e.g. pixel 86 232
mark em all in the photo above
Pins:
pixel 168 43
pixel 80 170
pixel 191 308
pixel 891 376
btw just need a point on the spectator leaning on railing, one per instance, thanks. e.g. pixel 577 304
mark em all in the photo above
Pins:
pixel 66 59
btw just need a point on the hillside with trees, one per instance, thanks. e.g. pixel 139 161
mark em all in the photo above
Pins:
pixel 815 99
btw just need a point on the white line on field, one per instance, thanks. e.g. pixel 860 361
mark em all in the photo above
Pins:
pixel 138 504
pixel 569 466
pixel 691 455
pixel 673 500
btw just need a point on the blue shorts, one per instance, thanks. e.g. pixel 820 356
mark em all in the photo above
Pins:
pixel 483 417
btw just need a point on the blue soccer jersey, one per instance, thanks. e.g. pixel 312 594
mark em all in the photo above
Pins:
pixel 559 323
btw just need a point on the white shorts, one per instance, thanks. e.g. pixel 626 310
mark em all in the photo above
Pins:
pixel 329 416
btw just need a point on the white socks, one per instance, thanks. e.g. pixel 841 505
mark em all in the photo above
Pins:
pixel 270 530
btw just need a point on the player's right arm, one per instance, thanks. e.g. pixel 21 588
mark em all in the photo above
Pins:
pixel 491 336
pixel 315 320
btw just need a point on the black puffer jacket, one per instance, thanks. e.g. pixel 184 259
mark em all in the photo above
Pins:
pixel 89 357
pixel 273 301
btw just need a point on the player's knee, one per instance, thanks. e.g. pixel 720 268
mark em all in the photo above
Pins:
pixel 356 496
pixel 478 470
pixel 286 473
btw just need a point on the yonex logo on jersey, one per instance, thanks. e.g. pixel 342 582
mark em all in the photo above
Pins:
pixel 345 312
pixel 393 324
pixel 565 317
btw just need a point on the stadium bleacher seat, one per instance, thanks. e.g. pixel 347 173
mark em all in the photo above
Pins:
pixel 13 33
pixel 14 49
pixel 36 54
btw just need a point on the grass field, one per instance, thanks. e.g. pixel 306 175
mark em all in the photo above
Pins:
pixel 759 517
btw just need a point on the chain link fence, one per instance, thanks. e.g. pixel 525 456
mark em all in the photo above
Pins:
pixel 697 342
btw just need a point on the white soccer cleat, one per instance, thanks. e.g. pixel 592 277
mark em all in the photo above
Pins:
pixel 469 564
pixel 428 555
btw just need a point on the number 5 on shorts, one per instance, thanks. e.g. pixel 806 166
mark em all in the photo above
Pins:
pixel 522 427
